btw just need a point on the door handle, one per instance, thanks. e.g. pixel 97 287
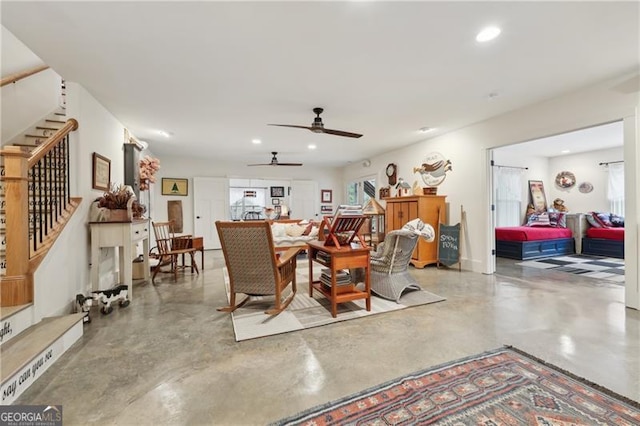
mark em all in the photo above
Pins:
pixel 197 217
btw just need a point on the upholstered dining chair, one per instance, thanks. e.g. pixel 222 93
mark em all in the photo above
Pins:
pixel 389 264
pixel 170 247
pixel 254 267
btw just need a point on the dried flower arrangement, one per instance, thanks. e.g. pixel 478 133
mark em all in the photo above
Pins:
pixel 120 197
pixel 148 168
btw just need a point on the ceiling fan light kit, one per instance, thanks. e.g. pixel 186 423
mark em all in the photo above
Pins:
pixel 318 126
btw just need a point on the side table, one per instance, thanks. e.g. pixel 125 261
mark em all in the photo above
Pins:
pixel 122 235
pixel 345 257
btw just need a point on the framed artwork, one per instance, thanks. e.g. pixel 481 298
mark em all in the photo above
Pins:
pixel 538 197
pixel 101 172
pixel 326 196
pixel 174 186
pixel 326 209
pixel 277 191
pixel 275 201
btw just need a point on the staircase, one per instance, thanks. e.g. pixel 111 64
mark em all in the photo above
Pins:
pixel 42 193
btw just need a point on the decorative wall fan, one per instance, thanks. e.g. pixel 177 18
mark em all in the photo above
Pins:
pixel 274 162
pixel 318 127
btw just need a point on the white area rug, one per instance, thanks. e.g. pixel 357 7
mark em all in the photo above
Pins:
pixel 250 321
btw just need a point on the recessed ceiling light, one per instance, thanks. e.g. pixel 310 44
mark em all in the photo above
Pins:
pixel 488 34
pixel 565 151
pixel 164 133
pixel 256 141
pixel 312 146
pixel 427 129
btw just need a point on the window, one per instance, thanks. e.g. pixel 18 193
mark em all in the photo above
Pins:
pixel 615 189
pixel 508 196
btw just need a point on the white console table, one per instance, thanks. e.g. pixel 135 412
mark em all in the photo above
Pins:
pixel 122 235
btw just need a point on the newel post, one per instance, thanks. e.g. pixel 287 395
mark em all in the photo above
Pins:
pixel 16 287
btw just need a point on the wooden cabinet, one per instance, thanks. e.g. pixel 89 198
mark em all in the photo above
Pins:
pixel 430 209
pixel 132 167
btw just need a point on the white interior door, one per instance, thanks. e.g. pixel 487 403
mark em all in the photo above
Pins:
pixel 304 197
pixel 211 203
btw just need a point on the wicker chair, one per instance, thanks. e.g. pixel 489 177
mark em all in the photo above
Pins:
pixel 388 269
pixel 253 265
pixel 170 247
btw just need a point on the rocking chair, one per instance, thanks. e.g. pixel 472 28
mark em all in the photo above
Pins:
pixel 254 267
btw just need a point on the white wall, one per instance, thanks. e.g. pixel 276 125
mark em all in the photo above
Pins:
pixel 180 167
pixel 586 168
pixel 467 149
pixel 65 270
pixel 28 100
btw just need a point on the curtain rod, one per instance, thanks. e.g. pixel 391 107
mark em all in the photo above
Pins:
pixel 510 167
pixel 610 162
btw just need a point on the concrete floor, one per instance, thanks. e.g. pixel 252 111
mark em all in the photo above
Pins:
pixel 171 358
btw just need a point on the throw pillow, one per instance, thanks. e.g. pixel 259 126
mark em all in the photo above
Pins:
pixel 603 218
pixel 424 230
pixel 294 230
pixel 617 221
pixel 307 229
pixel 278 230
pixel 541 219
pixel 592 221
pixel 557 220
pixel 314 231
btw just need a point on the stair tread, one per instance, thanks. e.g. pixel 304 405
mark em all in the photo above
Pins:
pixel 7 311
pixel 22 349
pixel 54 121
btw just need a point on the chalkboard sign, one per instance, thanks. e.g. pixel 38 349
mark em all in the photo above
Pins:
pixel 449 244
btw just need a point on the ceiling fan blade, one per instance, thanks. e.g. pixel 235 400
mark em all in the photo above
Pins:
pixel 265 164
pixel 341 133
pixel 291 125
pixel 288 164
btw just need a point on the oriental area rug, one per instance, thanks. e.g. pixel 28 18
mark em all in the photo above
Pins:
pixel 604 268
pixel 501 387
pixel 250 321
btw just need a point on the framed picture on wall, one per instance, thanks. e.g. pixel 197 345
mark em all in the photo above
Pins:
pixel 101 172
pixel 538 197
pixel 277 191
pixel 174 186
pixel 326 196
pixel 275 201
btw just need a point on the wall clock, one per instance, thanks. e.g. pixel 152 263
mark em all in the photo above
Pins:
pixel 391 171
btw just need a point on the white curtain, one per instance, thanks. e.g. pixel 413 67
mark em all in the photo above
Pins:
pixel 615 190
pixel 508 196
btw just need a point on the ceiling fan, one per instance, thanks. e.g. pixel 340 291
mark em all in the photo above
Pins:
pixel 318 127
pixel 274 162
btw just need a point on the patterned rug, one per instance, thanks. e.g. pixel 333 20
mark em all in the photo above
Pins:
pixel 250 321
pixel 501 387
pixel 605 268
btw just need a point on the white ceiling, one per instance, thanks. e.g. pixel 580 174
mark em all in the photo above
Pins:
pixel 595 138
pixel 215 73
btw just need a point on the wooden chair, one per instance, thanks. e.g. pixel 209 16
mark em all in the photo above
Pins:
pixel 254 267
pixel 170 247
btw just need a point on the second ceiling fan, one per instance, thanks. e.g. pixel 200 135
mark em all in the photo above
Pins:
pixel 274 162
pixel 318 126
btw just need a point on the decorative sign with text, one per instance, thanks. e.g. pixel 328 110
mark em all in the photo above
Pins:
pixel 449 244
